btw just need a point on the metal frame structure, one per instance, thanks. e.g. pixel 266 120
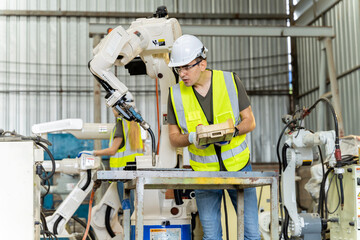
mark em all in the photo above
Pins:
pixel 185 179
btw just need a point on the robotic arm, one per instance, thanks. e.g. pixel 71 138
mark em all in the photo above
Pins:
pixel 151 39
pixel 299 152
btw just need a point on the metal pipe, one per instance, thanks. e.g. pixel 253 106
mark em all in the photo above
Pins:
pixel 334 84
pixel 89 14
pixel 322 89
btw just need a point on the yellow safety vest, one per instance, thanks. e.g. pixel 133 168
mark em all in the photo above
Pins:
pixel 124 154
pixel 189 114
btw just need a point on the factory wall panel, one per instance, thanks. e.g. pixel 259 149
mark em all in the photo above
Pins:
pixel 344 18
pixel 44 75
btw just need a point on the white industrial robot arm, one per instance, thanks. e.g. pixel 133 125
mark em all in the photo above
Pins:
pixel 86 166
pixel 150 39
pixel 300 152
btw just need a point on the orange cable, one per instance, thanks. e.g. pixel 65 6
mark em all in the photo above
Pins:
pixel 89 214
pixel 158 115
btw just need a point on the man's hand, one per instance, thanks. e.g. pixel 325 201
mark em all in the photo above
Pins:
pixel 192 140
pixel 85 152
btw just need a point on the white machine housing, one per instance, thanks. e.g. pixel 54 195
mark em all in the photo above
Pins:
pixel 20 186
pixel 348 224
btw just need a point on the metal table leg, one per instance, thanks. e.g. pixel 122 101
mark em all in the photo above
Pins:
pixel 139 212
pixel 274 210
pixel 240 214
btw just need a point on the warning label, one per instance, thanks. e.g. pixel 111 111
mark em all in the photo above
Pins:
pixel 165 233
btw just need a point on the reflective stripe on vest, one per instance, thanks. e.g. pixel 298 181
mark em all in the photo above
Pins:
pixel 189 114
pixel 179 107
pixel 233 95
pixel 124 154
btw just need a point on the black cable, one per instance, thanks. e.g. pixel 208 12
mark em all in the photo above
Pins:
pixel 43 220
pixel 83 224
pixel 48 212
pixel 47 189
pixel 177 195
pixel 88 180
pixel 107 222
pixel 333 113
pixel 284 158
pixel 340 178
pixel 322 194
pixel 56 224
pixel 52 162
pixel 322 160
pixel 285 224
pixel 326 196
pixel 50 235
pixel 337 144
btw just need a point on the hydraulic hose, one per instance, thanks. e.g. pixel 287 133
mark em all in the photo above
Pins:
pixel 107 222
pixel 153 147
pixel 88 179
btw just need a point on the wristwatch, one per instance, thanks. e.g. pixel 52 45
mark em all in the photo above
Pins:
pixel 236 132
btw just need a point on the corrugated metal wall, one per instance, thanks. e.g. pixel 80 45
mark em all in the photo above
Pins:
pixel 44 75
pixel 344 17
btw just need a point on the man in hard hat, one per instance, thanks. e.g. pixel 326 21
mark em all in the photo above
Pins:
pixel 208 97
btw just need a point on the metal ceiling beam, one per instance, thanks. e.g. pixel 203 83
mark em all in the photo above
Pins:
pixel 231 16
pixel 257 31
pixel 236 31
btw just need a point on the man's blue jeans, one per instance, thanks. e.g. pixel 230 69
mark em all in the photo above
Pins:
pixel 209 204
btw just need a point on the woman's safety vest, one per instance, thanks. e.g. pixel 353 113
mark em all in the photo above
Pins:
pixel 124 154
pixel 189 114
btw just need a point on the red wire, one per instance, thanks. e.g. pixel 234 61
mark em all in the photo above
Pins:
pixel 157 114
pixel 89 214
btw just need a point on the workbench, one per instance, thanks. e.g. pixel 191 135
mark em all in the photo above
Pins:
pixel 187 179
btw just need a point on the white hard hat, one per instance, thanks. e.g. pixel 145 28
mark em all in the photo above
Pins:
pixel 185 49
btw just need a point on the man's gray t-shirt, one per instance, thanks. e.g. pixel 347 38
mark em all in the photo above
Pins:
pixel 207 104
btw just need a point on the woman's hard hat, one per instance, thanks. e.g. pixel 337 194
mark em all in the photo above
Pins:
pixel 185 49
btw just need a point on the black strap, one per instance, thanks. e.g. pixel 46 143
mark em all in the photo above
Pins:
pixel 218 154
